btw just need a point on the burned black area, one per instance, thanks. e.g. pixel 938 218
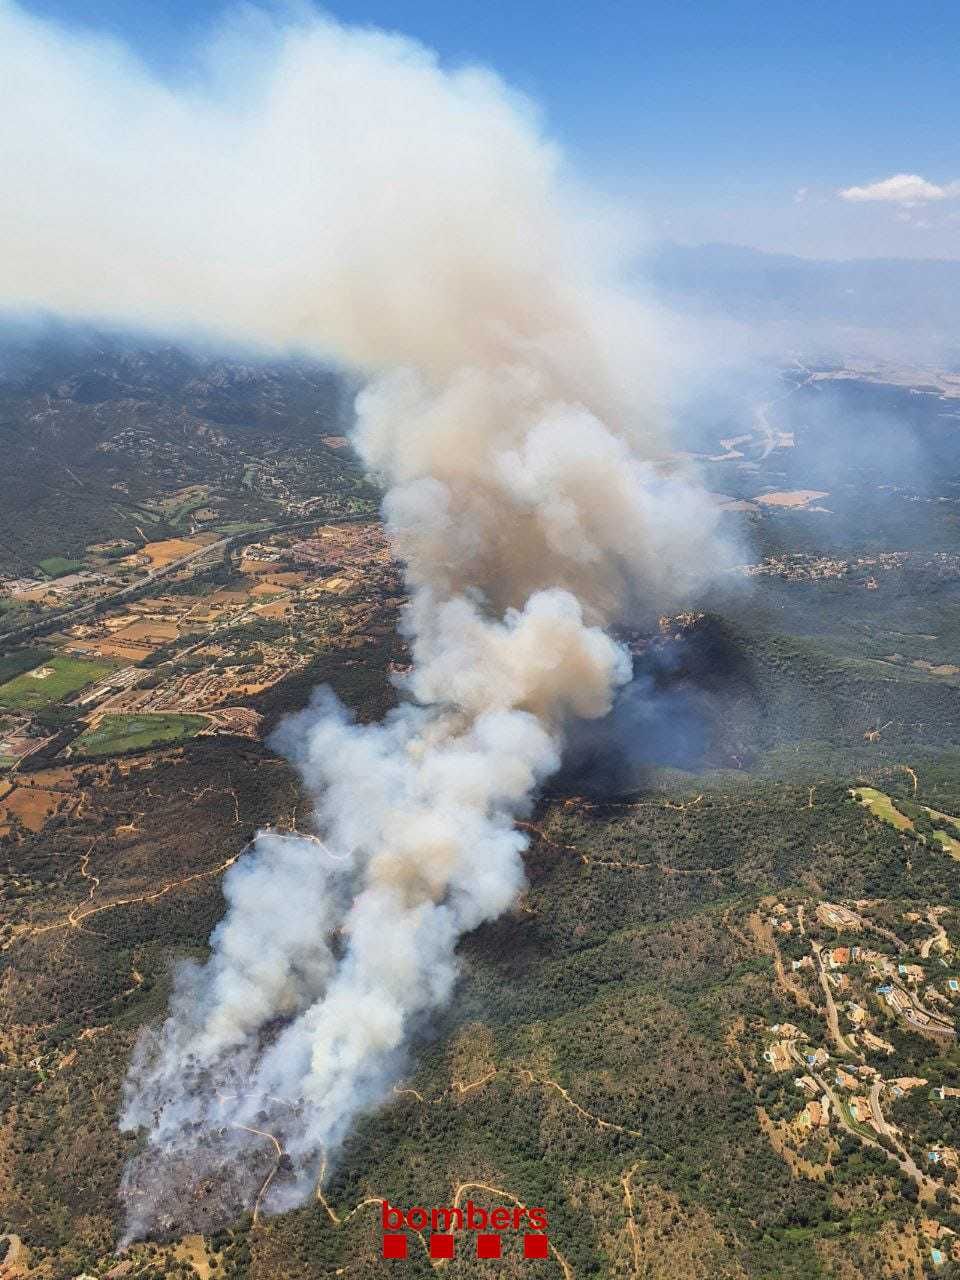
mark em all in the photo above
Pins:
pixel 693 703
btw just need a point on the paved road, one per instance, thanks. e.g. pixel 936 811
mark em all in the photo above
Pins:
pixel 866 923
pixel 926 1185
pixel 902 1156
pixel 833 1021
pixel 918 1015
pixel 52 621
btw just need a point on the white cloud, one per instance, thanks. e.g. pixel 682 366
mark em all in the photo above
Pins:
pixel 902 188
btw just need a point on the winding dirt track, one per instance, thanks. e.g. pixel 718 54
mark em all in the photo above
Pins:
pixel 77 914
pixel 614 865
pixel 262 1133
pixel 458 1089
pixel 631 1221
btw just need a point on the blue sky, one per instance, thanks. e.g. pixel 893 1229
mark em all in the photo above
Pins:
pixel 735 120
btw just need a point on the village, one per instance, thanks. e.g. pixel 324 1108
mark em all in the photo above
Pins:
pixel 871 986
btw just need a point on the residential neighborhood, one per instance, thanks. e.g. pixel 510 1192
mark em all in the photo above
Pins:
pixel 873 986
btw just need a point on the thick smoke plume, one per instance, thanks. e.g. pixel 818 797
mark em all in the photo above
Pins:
pixel 342 193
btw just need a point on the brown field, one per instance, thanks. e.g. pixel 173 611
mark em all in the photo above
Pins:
pixel 151 604
pixel 57 778
pixel 160 632
pixel 161 553
pixel 32 805
pixel 790 497
pixel 336 585
pixel 268 589
pixel 125 652
pixel 38 595
pixel 279 609
pixel 256 566
pixel 120 621
pixel 229 597
pixel 138 640
pixel 192 1251
pixel 286 579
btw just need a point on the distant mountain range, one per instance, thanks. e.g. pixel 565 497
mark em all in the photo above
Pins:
pixel 888 308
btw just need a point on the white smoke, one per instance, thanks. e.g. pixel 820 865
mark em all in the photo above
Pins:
pixel 411 222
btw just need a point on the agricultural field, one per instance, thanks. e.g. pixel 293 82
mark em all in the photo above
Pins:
pixel 161 553
pixel 118 733
pixel 51 682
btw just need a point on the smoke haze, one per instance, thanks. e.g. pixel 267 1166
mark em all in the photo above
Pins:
pixel 338 192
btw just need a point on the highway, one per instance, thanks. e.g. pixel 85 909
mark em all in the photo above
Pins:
pixel 52 621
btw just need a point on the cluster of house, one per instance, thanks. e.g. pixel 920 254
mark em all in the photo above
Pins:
pixel 797 567
pixel 19 586
pixel 20 739
pixel 906 1005
pixel 782 1053
pixel 50 590
pixel 898 981
pixel 262 553
pixel 779 918
pixel 801 567
pixel 899 984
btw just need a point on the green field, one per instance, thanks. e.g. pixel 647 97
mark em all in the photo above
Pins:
pixel 30 691
pixel 57 566
pixel 880 804
pixel 115 734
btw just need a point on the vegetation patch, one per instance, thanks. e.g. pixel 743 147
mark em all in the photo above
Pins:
pixel 116 734
pixel 12 664
pixel 928 825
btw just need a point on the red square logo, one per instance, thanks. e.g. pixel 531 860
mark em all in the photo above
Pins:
pixel 536 1246
pixel 488 1246
pixel 441 1246
pixel 394 1246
